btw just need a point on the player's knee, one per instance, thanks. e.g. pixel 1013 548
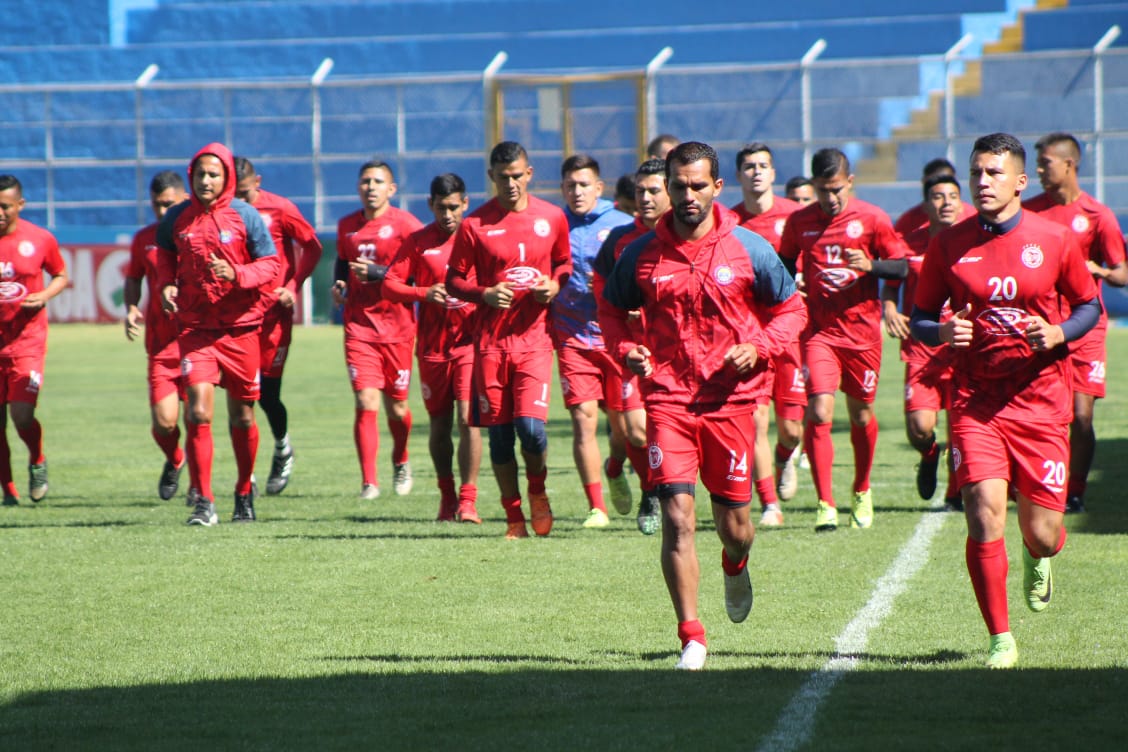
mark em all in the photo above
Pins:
pixel 502 439
pixel 531 432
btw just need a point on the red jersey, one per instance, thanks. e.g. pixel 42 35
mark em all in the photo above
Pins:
pixel 911 349
pixel 609 253
pixel 161 328
pixel 288 228
pixel 917 217
pixel 25 253
pixel 1007 278
pixel 368 317
pixel 770 224
pixel 422 262
pixel 497 245
pixel 842 303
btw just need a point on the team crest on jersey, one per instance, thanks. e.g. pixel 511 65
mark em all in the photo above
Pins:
pixel 185 367
pixel 1002 322
pixel 425 390
pixel 1080 224
pixel 266 219
pixel 1032 256
pixel 838 278
pixel 522 277
pixel 602 234
pixel 12 292
pixel 908 392
pixel 565 387
pixel 27 249
pixel 34 382
pixel 483 404
pixel 541 227
pixel 654 456
pixel 628 390
pixel 957 458
pixel 225 236
pixel 779 224
pixel 854 229
pixel 385 232
pixel 724 275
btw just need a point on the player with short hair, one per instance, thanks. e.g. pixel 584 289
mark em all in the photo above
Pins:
pixel 215 255
pixel 511 257
pixel 765 214
pixel 379 333
pixel 625 194
pixel 1006 274
pixel 842 245
pixel 718 304
pixel 661 145
pixel 800 190
pixel 299 251
pixel 1102 242
pixel 444 345
pixel 26 252
pixel 917 217
pixel 928 370
pixel 589 376
pixel 166 190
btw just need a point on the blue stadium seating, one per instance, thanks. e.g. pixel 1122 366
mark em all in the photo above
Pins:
pixel 1074 27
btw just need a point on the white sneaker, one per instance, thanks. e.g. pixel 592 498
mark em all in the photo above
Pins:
pixel 738 596
pixel 771 516
pixel 692 657
pixel 402 480
pixel 788 484
pixel 369 491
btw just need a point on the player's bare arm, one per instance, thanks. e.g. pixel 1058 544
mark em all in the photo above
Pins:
pixel 1117 276
pixel 131 296
pixel 896 323
pixel 545 289
pixel 742 357
pixel 498 296
pixel 36 300
pixel 638 361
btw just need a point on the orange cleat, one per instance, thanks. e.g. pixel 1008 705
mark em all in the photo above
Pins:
pixel 468 513
pixel 542 514
pixel 515 530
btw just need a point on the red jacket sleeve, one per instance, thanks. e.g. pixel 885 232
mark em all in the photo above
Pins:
pixel 301 232
pixel 395 287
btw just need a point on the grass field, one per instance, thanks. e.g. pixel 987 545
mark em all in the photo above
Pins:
pixel 340 624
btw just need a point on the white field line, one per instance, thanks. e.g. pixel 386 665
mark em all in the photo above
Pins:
pixel 793 729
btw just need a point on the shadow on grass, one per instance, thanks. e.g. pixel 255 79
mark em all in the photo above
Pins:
pixel 1105 502
pixel 402 704
pixel 101 523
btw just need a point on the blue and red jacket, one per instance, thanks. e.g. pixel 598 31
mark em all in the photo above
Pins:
pixel 700 298
pixel 233 230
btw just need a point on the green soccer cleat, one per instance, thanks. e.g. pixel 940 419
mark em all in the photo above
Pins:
pixel 861 511
pixel 826 518
pixel 37 481
pixel 1037 581
pixel 620 489
pixel 596 518
pixel 1003 653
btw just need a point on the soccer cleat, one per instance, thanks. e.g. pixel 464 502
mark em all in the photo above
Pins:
pixel 244 508
pixel 1003 653
pixel 826 517
pixel 620 489
pixel 280 468
pixel 11 500
pixel 803 462
pixel 1037 581
pixel 738 596
pixel 468 512
pixel 953 503
pixel 771 516
pixel 37 481
pixel 926 476
pixel 541 513
pixel 447 509
pixel 861 510
pixel 787 478
pixel 515 530
pixel 170 479
pixel 597 518
pixel 369 491
pixel 1074 505
pixel 402 480
pixel 191 497
pixel 649 519
pixel 204 513
pixel 692 657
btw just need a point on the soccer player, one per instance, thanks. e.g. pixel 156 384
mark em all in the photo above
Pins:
pixel 1006 274
pixel 765 214
pixel 378 333
pixel 511 257
pixel 704 285
pixel 444 346
pixel 588 374
pixel 166 190
pixel 1102 243
pixel 26 252
pixel 842 245
pixel 661 145
pixel 653 201
pixel 289 230
pixel 800 190
pixel 625 194
pixel 214 256
pixel 927 369
pixel 917 217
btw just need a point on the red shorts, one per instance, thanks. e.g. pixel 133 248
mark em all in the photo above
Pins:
pixel 594 376
pixel 21 378
pixel 829 368
pixel 445 381
pixel 1034 457
pixel 274 341
pixel 681 444
pixel 164 374
pixel 928 385
pixel 229 358
pixel 789 385
pixel 1088 365
pixel 510 385
pixel 379 365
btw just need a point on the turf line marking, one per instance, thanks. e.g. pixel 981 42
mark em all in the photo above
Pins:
pixel 793 729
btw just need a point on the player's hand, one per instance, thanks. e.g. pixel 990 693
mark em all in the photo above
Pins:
pixel 958 330
pixel 168 298
pixel 285 297
pixel 858 260
pixel 1042 335
pixel 498 296
pixel 896 323
pixel 360 269
pixel 638 360
pixel 437 294
pixel 221 268
pixel 34 301
pixel 742 357
pixel 1098 271
pixel 545 289
pixel 634 316
pixel 339 290
pixel 133 319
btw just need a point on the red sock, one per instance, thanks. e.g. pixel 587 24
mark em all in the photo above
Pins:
pixel 640 461
pixel 400 430
pixel 732 568
pixel 614 467
pixel 200 450
pixel 468 492
pixel 987 565
pixel 512 509
pixel 367 440
pixel 782 453
pixel 594 494
pixel 245 442
pixel 170 445
pixel 1076 486
pixel 820 451
pixel 691 630
pixel 446 487
pixel 33 437
pixel 536 481
pixel 6 478
pixel 864 441
pixel 766 491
